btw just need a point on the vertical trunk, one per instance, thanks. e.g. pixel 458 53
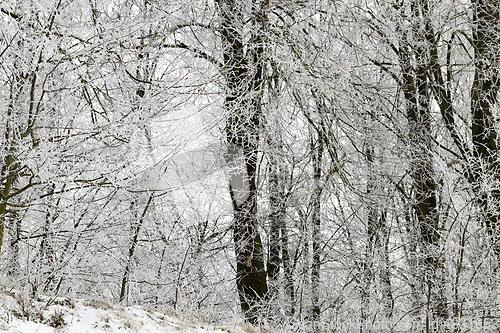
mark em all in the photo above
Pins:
pixel 200 242
pixel 251 276
pixel 317 158
pixel 2 223
pixel 8 180
pixel 244 79
pixel 306 263
pixel 136 229
pixel 22 89
pixel 318 143
pixel 425 213
pixel 278 237
pixel 486 39
pixel 9 176
pixel 385 279
pixel 145 70
pixel 371 223
pixel 411 255
pixel 275 217
pixel 484 97
pixel 378 238
pixel 287 269
pixel 47 253
pixel 8 170
pixel 425 208
pixel 14 228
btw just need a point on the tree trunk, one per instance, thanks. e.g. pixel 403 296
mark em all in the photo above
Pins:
pixel 8 170
pixel 275 220
pixel 317 158
pixel 14 228
pixel 378 237
pixel 484 94
pixel 385 273
pixel 425 208
pixel 288 270
pixel 278 233
pixel 7 186
pixel 136 229
pixel 47 252
pixel 243 71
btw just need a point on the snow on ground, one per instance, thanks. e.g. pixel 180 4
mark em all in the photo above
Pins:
pixel 47 314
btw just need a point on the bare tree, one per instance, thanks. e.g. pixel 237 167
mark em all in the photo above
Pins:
pixel 244 76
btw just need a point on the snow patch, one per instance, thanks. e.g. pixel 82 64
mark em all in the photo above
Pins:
pixel 45 314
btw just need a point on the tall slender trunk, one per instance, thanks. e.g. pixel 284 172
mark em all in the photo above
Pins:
pixel 244 75
pixel 136 229
pixel 385 272
pixel 275 220
pixel 47 252
pixel 378 237
pixel 317 159
pixel 484 101
pixel 287 269
pixel 14 228
pixel 9 167
pixel 278 233
pixel 484 94
pixel 305 242
pixel 416 90
pixel 369 261
pixel 8 176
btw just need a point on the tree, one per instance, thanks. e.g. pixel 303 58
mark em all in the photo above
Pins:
pixel 244 76
pixel 485 42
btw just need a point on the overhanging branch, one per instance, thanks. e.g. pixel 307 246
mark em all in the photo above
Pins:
pixel 198 53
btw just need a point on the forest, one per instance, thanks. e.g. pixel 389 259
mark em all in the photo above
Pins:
pixel 307 165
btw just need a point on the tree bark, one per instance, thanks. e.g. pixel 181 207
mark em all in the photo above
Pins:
pixel 288 269
pixel 279 257
pixel 244 74
pixel 378 237
pixel 275 220
pixel 484 94
pixel 136 229
pixel 14 228
pixel 317 159
pixel 417 94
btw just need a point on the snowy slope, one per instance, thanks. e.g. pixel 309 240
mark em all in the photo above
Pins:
pixel 51 315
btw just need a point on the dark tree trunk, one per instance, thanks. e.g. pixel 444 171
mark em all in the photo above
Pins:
pixel 275 220
pixel 317 158
pixel 243 70
pixel 417 94
pixel 378 238
pixel 14 228
pixel 484 93
pixel 288 269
